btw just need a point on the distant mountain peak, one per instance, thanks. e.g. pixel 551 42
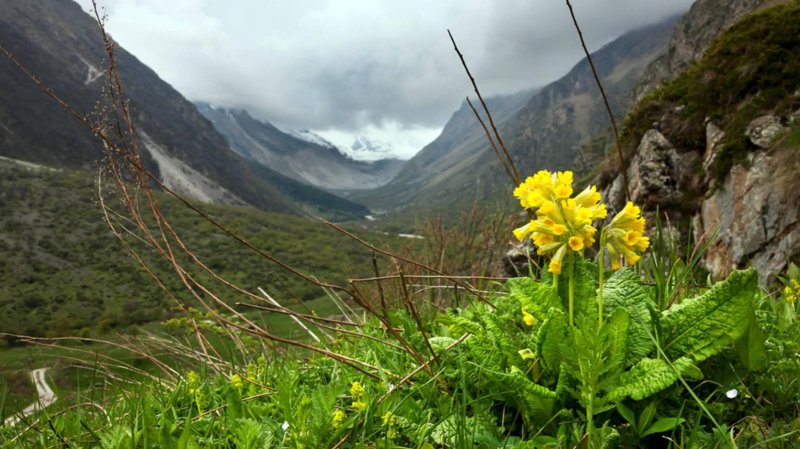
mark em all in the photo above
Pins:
pixel 301 154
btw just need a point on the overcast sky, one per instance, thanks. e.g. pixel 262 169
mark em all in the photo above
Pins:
pixel 383 69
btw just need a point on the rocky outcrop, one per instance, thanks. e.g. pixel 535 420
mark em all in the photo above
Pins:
pixel 756 215
pixel 659 176
pixel 692 35
pixel 763 130
pixel 753 216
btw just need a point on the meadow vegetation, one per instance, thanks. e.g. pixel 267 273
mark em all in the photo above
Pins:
pixel 608 337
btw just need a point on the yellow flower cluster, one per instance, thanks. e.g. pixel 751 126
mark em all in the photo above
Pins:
pixel 562 222
pixel 193 383
pixel 389 420
pixel 237 382
pixel 790 292
pixel 357 391
pixel 624 236
pixel 338 418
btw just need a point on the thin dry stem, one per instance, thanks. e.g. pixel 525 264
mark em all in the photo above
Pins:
pixel 605 102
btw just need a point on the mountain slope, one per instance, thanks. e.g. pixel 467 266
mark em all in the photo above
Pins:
pixel 62 271
pixel 60 43
pixel 460 141
pixel 548 131
pixel 322 166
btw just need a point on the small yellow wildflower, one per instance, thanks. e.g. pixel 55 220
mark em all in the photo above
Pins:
pixel 192 379
pixel 356 390
pixel 575 243
pixel 338 418
pixel 554 267
pixel 528 318
pixel 237 382
pixel 389 419
pixel 790 292
pixel 359 405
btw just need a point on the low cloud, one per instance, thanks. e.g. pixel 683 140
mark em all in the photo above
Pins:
pixel 352 64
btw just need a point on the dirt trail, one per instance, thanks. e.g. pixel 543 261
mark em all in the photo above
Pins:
pixel 46 397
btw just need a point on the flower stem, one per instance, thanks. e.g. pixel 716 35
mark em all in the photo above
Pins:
pixel 601 261
pixel 589 419
pixel 571 287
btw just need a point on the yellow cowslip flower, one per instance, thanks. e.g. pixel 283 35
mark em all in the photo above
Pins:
pixel 356 390
pixel 624 236
pixel 528 318
pixel 575 243
pixel 555 262
pixel 562 223
pixel 338 418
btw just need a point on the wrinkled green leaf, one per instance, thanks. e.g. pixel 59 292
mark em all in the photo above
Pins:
pixel 647 377
pixel 701 327
pixel 553 340
pixel 616 331
pixel 624 290
pixel 535 297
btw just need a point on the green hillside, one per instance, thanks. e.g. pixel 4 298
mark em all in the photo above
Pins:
pixel 750 70
pixel 63 272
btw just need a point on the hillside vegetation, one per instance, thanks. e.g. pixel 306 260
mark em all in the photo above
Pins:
pixel 750 70
pixel 63 272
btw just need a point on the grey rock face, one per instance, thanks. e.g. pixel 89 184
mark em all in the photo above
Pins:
pixel 714 135
pixel 763 130
pixel 652 171
pixel 756 213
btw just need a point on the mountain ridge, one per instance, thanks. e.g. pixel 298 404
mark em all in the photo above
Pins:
pixel 459 167
pixel 325 167
pixel 58 42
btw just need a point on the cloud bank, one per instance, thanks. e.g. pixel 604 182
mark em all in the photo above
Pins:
pixel 349 65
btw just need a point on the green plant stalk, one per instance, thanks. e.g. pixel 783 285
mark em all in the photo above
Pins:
pixel 601 259
pixel 590 418
pixel 571 288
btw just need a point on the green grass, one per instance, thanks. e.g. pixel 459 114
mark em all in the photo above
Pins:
pixel 481 393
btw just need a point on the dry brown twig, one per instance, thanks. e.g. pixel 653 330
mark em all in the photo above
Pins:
pixel 617 140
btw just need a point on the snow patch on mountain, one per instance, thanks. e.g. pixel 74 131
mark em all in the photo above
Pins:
pixel 310 136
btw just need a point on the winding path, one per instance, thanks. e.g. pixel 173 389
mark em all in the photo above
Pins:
pixel 46 397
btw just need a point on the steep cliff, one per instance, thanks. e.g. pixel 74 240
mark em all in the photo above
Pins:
pixel 718 146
